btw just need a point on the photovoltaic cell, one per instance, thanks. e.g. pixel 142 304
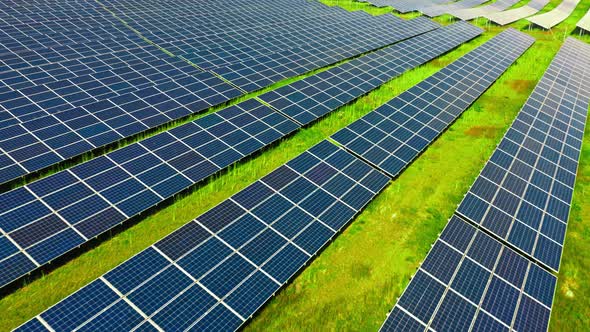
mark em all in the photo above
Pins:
pixel 524 192
pixel 486 287
pixel 49 217
pixel 394 134
pixel 212 281
pixel 317 95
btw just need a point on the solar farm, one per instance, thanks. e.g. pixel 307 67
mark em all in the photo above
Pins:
pixel 294 165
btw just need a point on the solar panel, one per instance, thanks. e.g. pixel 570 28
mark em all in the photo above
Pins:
pixel 523 194
pixel 58 87
pixel 258 73
pixel 44 141
pixel 513 15
pixel 315 96
pixel 394 134
pixel 216 271
pixel 49 217
pixel 331 34
pixel 556 15
pixel 584 22
pixel 161 22
pixel 471 13
pixel 471 282
pixel 437 10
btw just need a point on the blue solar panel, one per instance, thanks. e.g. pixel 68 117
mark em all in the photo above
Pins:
pixel 202 275
pixel 51 138
pixel 485 286
pixel 313 97
pixel 51 216
pixel 394 134
pixel 524 192
pixel 307 57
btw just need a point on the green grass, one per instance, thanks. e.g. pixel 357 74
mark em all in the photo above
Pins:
pixel 354 282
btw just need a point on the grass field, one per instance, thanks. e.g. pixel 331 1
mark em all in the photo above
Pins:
pixel 353 283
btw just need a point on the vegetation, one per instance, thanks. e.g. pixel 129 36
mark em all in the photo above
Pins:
pixel 353 283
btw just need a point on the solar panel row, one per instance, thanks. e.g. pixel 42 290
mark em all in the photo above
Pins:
pixel 44 141
pixel 247 34
pixel 157 168
pixel 238 36
pixel 17 12
pixel 257 73
pixel 313 97
pixel 556 15
pixel 394 134
pixel 513 15
pixel 523 194
pixel 51 216
pixel 471 282
pixel 51 89
pixel 330 32
pixel 176 23
pixel 215 272
pixel 36 43
pixel 433 11
pixel 475 277
pixel 471 13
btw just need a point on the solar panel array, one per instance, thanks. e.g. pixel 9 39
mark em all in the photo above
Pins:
pixel 36 144
pixel 257 73
pixel 46 218
pixel 584 22
pixel 266 52
pixel 155 169
pixel 262 44
pixel 471 282
pixel 394 134
pixel 313 97
pixel 523 195
pixel 471 13
pixel 556 15
pixel 487 271
pixel 437 10
pixel 216 271
pixel 60 101
pixel 162 23
pixel 513 15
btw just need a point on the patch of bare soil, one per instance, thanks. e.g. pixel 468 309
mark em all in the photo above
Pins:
pixel 482 131
pixel 521 85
